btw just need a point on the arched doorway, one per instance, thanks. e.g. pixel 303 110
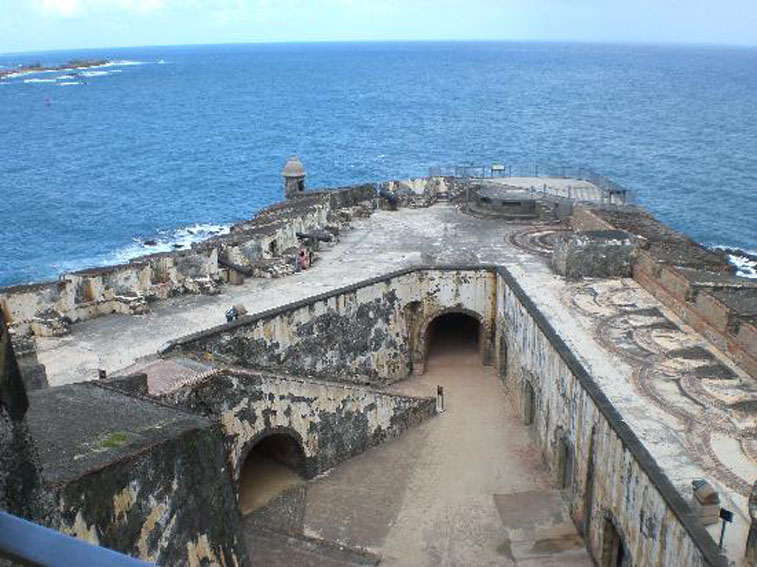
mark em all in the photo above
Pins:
pixel 614 552
pixel 564 471
pixel 453 334
pixel 273 464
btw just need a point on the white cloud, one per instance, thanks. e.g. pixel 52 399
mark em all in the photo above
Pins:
pixel 65 8
pixel 74 8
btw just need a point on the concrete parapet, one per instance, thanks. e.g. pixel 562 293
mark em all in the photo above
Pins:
pixel 124 473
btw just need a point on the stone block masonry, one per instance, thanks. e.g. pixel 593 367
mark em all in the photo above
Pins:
pixel 614 486
pixel 370 333
pixel 331 422
pixel 257 247
pixel 594 253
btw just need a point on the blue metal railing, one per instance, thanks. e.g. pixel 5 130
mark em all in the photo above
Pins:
pixel 30 544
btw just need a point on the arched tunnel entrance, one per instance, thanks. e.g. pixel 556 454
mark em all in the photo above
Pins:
pixel 453 335
pixel 274 464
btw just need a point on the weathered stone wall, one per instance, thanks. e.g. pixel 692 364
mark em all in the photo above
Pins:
pixel 331 422
pixel 373 332
pixel 48 309
pixel 172 505
pixel 613 479
pixel 687 278
pixel 135 476
pixel 584 218
pixel 20 485
pixel 594 254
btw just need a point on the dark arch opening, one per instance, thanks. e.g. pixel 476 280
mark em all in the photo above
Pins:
pixel 453 333
pixel 564 463
pixel 529 403
pixel 274 464
pixel 614 553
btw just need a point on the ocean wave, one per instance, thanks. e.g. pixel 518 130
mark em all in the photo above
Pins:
pixel 95 73
pixel 745 261
pixel 39 80
pixel 123 63
pixel 168 240
pixel 162 241
pixel 746 267
pixel 68 83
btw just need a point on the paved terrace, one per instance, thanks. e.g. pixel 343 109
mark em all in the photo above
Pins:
pixel 673 389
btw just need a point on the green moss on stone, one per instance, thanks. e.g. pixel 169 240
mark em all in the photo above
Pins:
pixel 116 439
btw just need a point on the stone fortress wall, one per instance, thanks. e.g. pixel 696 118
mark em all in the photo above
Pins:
pixel 607 475
pixel 369 333
pixel 331 422
pixel 690 280
pixel 254 248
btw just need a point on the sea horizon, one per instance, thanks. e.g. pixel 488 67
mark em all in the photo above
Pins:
pixel 627 43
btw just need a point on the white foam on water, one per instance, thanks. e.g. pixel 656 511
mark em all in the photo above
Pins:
pixel 745 261
pixel 123 63
pixel 95 73
pixel 39 80
pixel 162 62
pixel 169 240
pixel 68 83
pixel 745 267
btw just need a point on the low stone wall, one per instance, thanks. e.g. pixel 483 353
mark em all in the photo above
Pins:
pixel 702 308
pixel 331 422
pixel 257 246
pixel 697 290
pixel 584 218
pixel 421 191
pixel 372 332
pixel 611 481
pixel 594 254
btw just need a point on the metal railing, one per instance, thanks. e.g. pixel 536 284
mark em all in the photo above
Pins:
pixel 609 191
pixel 25 543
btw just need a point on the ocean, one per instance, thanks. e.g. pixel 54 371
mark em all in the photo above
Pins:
pixel 173 144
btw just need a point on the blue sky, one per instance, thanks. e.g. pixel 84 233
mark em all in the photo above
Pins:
pixel 37 25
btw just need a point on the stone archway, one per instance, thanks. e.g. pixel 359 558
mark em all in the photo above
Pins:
pixel 589 491
pixel 564 461
pixel 467 324
pixel 275 461
pixel 614 550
